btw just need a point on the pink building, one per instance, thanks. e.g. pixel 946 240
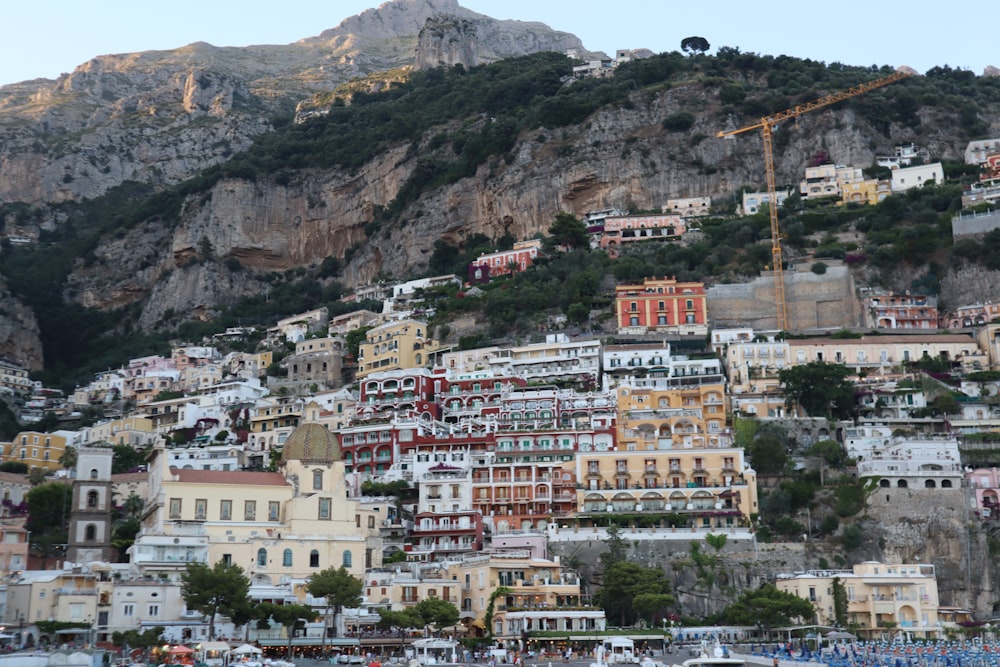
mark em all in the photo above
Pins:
pixel 621 229
pixel 985 483
pixel 515 260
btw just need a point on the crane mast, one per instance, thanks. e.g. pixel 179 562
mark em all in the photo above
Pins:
pixel 766 125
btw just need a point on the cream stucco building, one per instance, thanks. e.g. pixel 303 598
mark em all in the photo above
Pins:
pixel 278 526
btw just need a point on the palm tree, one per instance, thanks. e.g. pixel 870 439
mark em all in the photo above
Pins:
pixel 68 461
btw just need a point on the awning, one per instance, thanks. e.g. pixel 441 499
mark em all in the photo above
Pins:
pixel 213 646
pixel 478 624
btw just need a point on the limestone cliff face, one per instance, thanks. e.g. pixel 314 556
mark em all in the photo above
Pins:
pixel 447 40
pixel 620 157
pixel 19 335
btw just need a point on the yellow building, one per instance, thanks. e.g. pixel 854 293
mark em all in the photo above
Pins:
pixel 271 422
pixel 682 411
pixel 405 587
pixel 709 488
pixel 541 594
pixel 396 346
pixel 870 191
pixel 277 526
pixel 879 596
pixel 35 449
pixel 134 431
pixel 38 595
pixel 674 455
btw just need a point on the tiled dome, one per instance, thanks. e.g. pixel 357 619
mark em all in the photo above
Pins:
pixel 311 442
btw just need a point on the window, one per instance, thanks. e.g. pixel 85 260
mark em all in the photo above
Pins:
pixel 175 508
pixel 227 559
pixel 201 509
pixel 273 510
pixel 250 510
pixel 262 557
pixel 92 499
pixel 313 558
pixel 317 480
pixel 371 522
pixel 93 472
pixel 324 509
pixel 347 560
pixel 225 510
pixel 286 558
pixel 90 533
pixel 153 610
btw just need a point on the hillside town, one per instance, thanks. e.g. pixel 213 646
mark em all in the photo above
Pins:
pixel 280 459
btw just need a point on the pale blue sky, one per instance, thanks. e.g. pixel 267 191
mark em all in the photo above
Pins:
pixel 43 38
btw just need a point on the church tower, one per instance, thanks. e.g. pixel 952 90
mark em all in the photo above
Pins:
pixel 90 514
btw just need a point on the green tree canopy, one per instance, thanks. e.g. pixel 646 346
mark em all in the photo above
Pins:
pixel 769 606
pixel 623 582
pixel 568 231
pixel 48 515
pixel 126 458
pixel 220 589
pixel 403 619
pixel 768 453
pixel 821 388
pixel 694 45
pixel 339 587
pixel 436 611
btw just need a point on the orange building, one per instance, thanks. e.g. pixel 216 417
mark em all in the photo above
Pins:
pixel 662 305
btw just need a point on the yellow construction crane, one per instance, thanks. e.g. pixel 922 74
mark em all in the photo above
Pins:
pixel 766 125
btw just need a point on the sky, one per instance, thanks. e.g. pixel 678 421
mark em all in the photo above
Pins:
pixel 44 38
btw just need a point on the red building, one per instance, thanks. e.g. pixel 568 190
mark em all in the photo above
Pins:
pixel 515 260
pixel 662 305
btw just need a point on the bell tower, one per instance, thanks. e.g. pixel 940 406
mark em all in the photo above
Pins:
pixel 90 514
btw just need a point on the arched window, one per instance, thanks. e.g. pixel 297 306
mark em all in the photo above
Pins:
pixel 286 558
pixel 90 533
pixel 348 559
pixel 93 473
pixel 313 558
pixel 261 557
pixel 92 499
pixel 317 479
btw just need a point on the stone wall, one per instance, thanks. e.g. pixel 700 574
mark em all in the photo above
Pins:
pixel 813 301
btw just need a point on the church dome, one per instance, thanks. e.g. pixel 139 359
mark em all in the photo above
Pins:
pixel 313 443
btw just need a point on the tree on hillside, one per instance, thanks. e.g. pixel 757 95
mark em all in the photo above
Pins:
pixel 220 589
pixel 48 518
pixel 768 453
pixel 339 587
pixel 126 458
pixel 568 231
pixel 821 388
pixel 68 460
pixel 288 616
pixel 623 582
pixel 769 606
pixel 692 45
pixel 617 548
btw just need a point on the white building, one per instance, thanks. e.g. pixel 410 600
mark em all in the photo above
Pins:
pixel 752 201
pixel 976 151
pixel 914 177
pixel 923 463
pixel 557 358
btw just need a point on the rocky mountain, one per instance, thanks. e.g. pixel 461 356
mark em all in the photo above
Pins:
pixel 161 116
pixel 157 119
